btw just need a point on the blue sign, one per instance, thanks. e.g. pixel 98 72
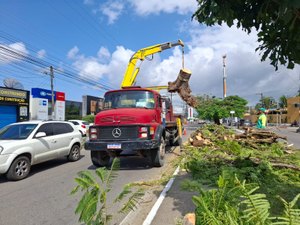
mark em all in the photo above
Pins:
pixel 42 93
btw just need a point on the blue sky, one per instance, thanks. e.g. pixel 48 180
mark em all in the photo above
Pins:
pixel 95 39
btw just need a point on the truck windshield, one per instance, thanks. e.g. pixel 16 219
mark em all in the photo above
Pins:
pixel 129 99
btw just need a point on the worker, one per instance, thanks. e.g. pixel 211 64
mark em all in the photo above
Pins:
pixel 262 119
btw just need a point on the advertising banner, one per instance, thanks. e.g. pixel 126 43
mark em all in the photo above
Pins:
pixel 60 110
pixel 42 93
pixel 39 109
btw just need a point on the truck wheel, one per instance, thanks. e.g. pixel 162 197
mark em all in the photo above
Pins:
pixel 158 154
pixel 19 169
pixel 100 158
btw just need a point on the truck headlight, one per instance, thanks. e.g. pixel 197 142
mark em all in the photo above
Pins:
pixel 1 149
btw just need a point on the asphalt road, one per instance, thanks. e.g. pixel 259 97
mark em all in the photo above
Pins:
pixel 44 197
pixel 292 135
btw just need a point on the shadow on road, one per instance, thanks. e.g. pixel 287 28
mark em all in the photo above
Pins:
pixel 43 167
pixel 137 162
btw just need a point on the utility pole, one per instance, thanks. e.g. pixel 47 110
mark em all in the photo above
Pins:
pixel 261 99
pixel 52 93
pixel 224 76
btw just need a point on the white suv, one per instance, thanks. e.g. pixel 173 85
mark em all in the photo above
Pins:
pixel 27 143
pixel 81 125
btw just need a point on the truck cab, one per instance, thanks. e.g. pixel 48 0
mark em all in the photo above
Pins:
pixel 134 121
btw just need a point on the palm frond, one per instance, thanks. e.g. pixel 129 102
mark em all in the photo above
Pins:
pixel 206 215
pixel 133 201
pixel 112 173
pixel 84 203
pixel 101 173
pixel 257 207
pixel 82 183
pixel 74 190
pixel 126 190
pixel 291 215
pixel 88 177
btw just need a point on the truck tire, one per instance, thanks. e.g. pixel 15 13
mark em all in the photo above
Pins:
pixel 158 154
pixel 100 159
pixel 19 169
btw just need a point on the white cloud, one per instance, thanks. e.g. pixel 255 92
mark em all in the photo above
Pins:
pixel 111 69
pixel 112 9
pixel 103 53
pixel 6 55
pixel 246 74
pixel 72 54
pixel 146 7
pixel 41 54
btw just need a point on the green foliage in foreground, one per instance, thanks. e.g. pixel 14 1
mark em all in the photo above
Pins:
pixel 235 159
pixel 93 207
pixel 234 203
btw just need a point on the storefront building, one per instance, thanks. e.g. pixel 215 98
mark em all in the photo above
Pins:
pixel 14 106
pixel 91 105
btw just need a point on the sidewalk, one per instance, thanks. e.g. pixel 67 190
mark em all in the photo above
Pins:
pixel 176 204
pixel 174 207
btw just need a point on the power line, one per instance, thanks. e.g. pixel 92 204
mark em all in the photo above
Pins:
pixel 54 60
pixel 8 53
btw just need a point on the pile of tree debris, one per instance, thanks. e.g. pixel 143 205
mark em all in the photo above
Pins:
pixel 254 144
pixel 251 137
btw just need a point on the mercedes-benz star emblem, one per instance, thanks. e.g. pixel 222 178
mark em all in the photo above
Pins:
pixel 116 132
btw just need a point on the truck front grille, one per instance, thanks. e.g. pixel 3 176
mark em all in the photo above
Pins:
pixel 118 133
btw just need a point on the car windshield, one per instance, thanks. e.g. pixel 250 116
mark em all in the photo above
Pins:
pixel 16 131
pixel 129 99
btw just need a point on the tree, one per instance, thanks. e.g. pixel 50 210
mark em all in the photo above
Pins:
pixel 215 108
pixel 277 23
pixel 235 103
pixel 266 102
pixel 283 101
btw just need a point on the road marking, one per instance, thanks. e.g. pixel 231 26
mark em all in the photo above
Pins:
pixel 162 196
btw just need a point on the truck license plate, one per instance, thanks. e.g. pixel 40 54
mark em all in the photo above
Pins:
pixel 113 146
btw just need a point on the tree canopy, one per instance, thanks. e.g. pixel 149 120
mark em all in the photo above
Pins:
pixel 214 108
pixel 266 102
pixel 277 23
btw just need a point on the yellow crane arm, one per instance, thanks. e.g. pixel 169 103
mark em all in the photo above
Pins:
pixel 131 72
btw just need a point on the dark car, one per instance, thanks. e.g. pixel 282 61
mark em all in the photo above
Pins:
pixel 245 123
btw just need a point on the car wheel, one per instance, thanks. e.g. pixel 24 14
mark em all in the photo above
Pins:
pixel 100 159
pixel 74 154
pixel 158 154
pixel 19 169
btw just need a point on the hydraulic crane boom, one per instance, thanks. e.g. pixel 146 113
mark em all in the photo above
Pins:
pixel 131 72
